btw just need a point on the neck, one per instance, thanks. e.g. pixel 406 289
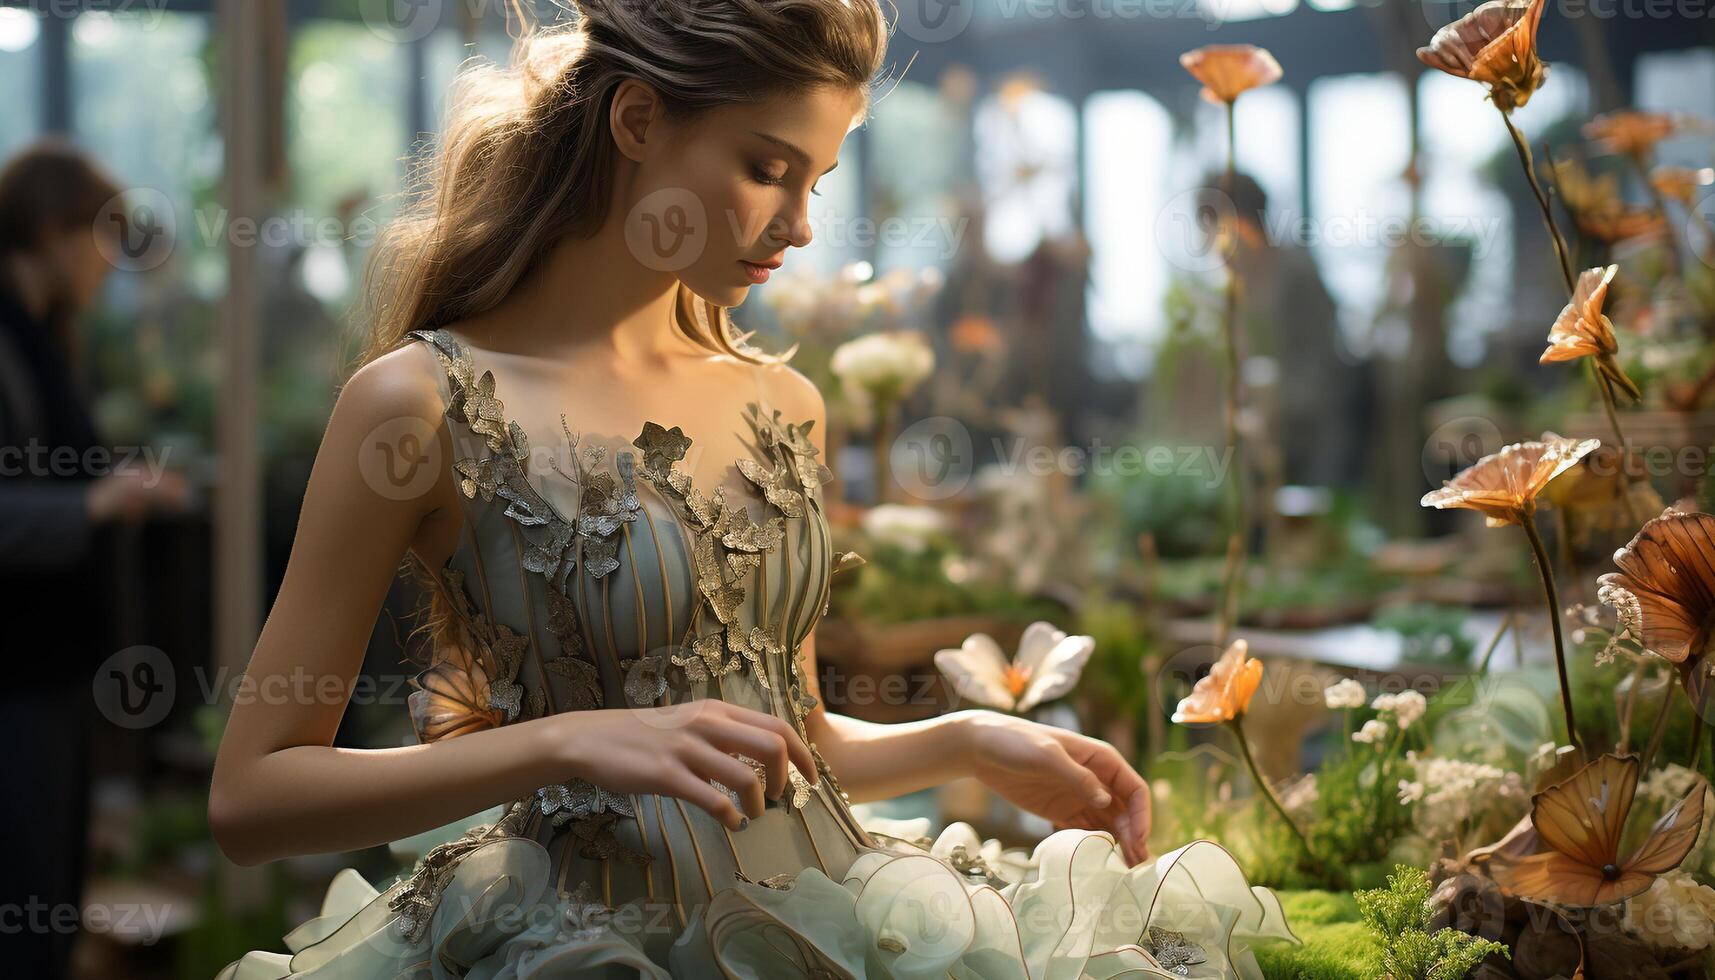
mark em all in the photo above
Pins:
pixel 591 294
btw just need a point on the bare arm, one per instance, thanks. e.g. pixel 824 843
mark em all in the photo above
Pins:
pixel 280 787
pixel 873 761
pixel 1072 779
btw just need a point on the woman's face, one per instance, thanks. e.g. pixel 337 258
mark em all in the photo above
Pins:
pixel 730 192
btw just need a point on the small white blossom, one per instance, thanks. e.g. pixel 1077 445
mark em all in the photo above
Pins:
pixel 1453 794
pixel 1406 706
pixel 1346 694
pixel 1676 913
pixel 1373 731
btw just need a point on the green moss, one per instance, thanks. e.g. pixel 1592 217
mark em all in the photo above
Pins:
pixel 1336 946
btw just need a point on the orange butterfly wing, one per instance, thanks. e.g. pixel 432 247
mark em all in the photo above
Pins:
pixel 1672 837
pixel 452 696
pixel 1584 816
pixel 1580 821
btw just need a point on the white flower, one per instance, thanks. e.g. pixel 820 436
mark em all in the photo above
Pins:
pixel 1346 694
pixel 1676 913
pixel 1406 706
pixel 903 526
pixel 888 362
pixel 1373 731
pixel 1409 707
pixel 1669 784
pixel 1301 795
pixel 1047 666
pixel 1452 793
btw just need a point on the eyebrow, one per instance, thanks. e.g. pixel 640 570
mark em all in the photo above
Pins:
pixel 793 149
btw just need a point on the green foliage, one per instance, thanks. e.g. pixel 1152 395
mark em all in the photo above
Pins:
pixel 1398 916
pixel 1431 634
pixel 898 585
pixel 1122 640
pixel 1173 496
pixel 1335 945
pixel 1352 825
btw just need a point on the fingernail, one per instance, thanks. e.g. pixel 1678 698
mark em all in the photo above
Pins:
pixel 743 822
pixel 1102 798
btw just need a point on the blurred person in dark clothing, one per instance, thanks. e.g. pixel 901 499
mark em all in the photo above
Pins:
pixel 58 487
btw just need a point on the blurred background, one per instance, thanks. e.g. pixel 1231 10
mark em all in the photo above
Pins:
pixel 1024 223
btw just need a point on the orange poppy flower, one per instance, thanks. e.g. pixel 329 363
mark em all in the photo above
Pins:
pixel 1494 44
pixel 974 333
pixel 1226 692
pixel 1681 183
pixel 1584 192
pixel 1503 486
pixel 1621 225
pixel 1579 823
pixel 1664 591
pixel 1227 71
pixel 1630 131
pixel 1582 330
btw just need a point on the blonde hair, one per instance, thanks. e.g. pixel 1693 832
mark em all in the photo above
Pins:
pixel 525 152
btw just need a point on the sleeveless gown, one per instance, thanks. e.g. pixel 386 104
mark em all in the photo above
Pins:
pixel 593 571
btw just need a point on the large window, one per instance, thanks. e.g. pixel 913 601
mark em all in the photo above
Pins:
pixel 1026 159
pixel 1360 144
pixel 1462 136
pixel 20 77
pixel 1127 138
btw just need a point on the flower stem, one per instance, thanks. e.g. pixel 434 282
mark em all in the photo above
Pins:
pixel 1670 246
pixel 1660 725
pixel 1239 535
pixel 1525 161
pixel 1630 707
pixel 1263 786
pixel 1553 599
pixel 1607 391
pixel 1495 644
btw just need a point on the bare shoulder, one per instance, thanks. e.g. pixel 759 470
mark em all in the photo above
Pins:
pixel 797 397
pixel 402 384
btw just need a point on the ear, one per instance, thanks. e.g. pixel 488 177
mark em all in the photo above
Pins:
pixel 634 112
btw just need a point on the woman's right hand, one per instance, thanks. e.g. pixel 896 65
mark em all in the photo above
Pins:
pixel 676 749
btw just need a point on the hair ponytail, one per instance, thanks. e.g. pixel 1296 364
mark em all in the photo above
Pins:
pixel 525 152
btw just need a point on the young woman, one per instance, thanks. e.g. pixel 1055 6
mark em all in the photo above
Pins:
pixel 619 511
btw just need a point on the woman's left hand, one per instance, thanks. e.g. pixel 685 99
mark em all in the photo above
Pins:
pixel 1070 779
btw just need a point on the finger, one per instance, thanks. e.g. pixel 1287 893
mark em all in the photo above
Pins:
pixel 760 744
pixel 1080 779
pixel 795 746
pixel 1140 808
pixel 694 790
pixel 711 763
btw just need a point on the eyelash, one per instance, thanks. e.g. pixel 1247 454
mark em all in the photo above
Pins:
pixel 763 178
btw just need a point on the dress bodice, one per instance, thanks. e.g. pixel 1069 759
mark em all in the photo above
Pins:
pixel 592 571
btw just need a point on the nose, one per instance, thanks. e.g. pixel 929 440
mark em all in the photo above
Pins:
pixel 792 228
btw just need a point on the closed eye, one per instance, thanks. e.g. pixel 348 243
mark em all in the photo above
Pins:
pixel 763 178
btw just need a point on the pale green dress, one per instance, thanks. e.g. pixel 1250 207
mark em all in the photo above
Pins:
pixel 592 573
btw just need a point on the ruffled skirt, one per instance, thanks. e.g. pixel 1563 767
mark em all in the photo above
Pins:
pixel 951 907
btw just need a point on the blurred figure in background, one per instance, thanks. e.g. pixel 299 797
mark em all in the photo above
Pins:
pixel 58 486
